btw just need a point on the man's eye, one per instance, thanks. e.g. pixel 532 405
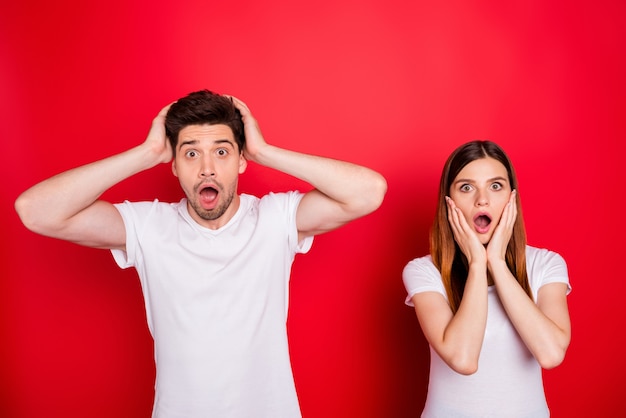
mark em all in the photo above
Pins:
pixel 222 152
pixel 191 154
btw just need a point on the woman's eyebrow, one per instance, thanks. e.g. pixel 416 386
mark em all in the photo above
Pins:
pixel 499 178
pixel 464 181
pixel 491 180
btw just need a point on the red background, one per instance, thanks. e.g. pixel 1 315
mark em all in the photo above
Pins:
pixel 394 85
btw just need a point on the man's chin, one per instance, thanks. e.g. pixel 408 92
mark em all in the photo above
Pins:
pixel 210 214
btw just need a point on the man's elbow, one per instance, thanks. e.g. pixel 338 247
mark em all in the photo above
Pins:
pixel 22 208
pixel 27 212
pixel 376 194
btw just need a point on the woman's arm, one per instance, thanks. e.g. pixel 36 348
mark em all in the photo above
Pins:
pixel 458 337
pixel 545 326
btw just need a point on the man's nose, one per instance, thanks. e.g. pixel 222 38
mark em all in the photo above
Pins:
pixel 207 169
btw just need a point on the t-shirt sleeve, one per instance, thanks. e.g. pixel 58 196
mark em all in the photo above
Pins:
pixel 289 202
pixel 420 275
pixel 544 267
pixel 134 216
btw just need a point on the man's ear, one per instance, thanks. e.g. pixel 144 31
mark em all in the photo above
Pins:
pixel 174 167
pixel 243 163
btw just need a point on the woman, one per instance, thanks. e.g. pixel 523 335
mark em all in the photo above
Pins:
pixel 493 309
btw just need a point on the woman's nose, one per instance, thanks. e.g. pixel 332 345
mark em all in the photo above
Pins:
pixel 481 199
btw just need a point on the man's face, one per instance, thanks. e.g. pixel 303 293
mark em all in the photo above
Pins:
pixel 208 164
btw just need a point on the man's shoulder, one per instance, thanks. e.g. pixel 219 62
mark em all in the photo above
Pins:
pixel 148 208
pixel 286 196
pixel 280 199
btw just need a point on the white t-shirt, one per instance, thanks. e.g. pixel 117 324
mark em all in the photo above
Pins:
pixel 216 303
pixel 508 382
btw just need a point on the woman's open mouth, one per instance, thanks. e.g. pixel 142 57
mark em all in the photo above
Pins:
pixel 482 222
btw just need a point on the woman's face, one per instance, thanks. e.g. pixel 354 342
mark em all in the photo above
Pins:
pixel 481 190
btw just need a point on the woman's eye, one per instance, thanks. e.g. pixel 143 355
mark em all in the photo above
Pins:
pixel 466 188
pixel 496 186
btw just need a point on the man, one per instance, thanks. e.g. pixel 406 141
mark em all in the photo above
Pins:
pixel 214 267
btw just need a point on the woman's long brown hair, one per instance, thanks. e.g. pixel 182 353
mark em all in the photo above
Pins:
pixel 446 254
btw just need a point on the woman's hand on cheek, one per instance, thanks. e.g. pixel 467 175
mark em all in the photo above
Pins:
pixel 496 250
pixel 464 236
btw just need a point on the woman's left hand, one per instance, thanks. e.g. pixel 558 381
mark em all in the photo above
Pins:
pixel 496 249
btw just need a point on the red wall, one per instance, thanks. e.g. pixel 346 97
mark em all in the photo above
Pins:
pixel 391 85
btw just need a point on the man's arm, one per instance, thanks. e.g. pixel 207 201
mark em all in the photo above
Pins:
pixel 66 206
pixel 343 191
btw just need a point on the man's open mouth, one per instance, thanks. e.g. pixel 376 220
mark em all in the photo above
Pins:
pixel 208 196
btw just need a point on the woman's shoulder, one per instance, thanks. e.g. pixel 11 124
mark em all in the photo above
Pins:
pixel 421 275
pixel 537 255
pixel 545 266
pixel 421 264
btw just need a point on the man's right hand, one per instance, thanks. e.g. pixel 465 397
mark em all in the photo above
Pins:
pixel 157 140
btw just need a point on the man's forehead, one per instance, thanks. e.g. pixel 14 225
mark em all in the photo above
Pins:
pixel 207 129
pixel 212 132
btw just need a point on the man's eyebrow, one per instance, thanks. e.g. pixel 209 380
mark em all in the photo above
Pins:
pixel 189 142
pixel 195 141
pixel 224 141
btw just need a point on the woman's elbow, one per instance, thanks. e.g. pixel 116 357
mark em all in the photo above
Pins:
pixel 550 363
pixel 552 358
pixel 463 365
pixel 466 370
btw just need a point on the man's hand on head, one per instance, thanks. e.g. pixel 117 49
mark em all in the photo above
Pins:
pixel 254 138
pixel 157 140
